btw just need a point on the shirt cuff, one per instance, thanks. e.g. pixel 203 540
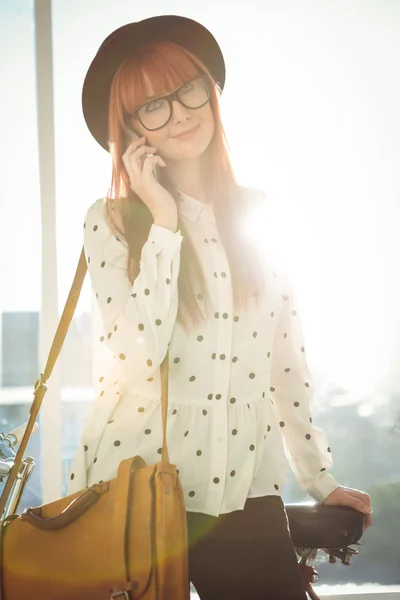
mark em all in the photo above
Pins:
pixel 165 238
pixel 323 485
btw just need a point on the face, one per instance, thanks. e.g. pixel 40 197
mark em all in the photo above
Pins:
pixel 174 148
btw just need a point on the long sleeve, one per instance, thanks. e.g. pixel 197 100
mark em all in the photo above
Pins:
pixel 292 391
pixel 137 320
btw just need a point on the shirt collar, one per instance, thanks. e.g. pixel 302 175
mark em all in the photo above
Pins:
pixel 191 208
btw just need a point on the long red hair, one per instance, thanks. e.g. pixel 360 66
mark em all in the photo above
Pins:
pixel 168 65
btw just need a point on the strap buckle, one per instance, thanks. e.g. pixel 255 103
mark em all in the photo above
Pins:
pixel 118 594
pixel 39 383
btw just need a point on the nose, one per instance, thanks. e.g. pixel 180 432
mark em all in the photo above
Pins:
pixel 179 112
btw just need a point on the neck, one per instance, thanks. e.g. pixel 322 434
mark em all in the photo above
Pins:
pixel 187 176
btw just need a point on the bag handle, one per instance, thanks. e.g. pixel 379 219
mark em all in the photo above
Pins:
pixel 40 387
pixel 70 514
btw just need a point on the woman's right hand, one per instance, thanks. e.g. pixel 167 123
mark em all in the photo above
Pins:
pixel 140 169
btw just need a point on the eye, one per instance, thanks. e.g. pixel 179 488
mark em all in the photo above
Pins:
pixel 186 87
pixel 152 106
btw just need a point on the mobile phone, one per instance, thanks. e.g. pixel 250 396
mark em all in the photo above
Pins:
pixel 132 135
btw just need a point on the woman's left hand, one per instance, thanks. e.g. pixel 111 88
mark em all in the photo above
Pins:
pixel 344 496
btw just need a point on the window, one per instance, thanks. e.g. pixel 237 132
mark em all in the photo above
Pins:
pixel 317 144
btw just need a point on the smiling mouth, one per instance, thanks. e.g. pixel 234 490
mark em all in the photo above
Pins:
pixel 187 134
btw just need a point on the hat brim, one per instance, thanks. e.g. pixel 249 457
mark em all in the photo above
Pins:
pixel 120 43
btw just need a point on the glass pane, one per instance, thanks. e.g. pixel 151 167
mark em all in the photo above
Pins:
pixel 20 243
pixel 82 175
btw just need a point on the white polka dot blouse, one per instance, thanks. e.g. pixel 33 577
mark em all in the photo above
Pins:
pixel 240 390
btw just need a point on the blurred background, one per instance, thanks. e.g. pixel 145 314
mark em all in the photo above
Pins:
pixel 310 109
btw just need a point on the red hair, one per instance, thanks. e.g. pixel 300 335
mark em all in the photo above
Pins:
pixel 168 65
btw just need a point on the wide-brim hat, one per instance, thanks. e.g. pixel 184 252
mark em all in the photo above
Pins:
pixel 120 43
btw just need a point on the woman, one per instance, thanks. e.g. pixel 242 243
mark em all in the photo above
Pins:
pixel 173 269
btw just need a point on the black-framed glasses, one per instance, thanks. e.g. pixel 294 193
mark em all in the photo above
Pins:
pixel 156 113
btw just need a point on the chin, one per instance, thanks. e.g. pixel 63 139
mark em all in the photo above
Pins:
pixel 198 147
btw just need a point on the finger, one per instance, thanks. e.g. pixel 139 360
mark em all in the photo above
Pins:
pixel 148 167
pixel 361 495
pixel 133 166
pixel 360 506
pixel 367 524
pixel 160 160
pixel 132 161
pixel 143 149
pixel 134 145
pixel 140 150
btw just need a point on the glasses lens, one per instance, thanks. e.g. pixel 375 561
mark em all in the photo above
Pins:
pixel 156 113
pixel 194 93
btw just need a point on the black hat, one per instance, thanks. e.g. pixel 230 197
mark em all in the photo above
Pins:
pixel 119 44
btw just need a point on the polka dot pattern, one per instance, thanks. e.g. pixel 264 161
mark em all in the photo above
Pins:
pixel 238 382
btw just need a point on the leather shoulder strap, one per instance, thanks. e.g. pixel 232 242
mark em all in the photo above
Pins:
pixel 41 388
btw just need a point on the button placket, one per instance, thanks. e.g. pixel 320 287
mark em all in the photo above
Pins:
pixel 223 351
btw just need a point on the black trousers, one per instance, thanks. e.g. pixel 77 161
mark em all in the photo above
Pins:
pixel 244 555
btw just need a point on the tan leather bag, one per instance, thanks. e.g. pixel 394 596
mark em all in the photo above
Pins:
pixel 123 539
